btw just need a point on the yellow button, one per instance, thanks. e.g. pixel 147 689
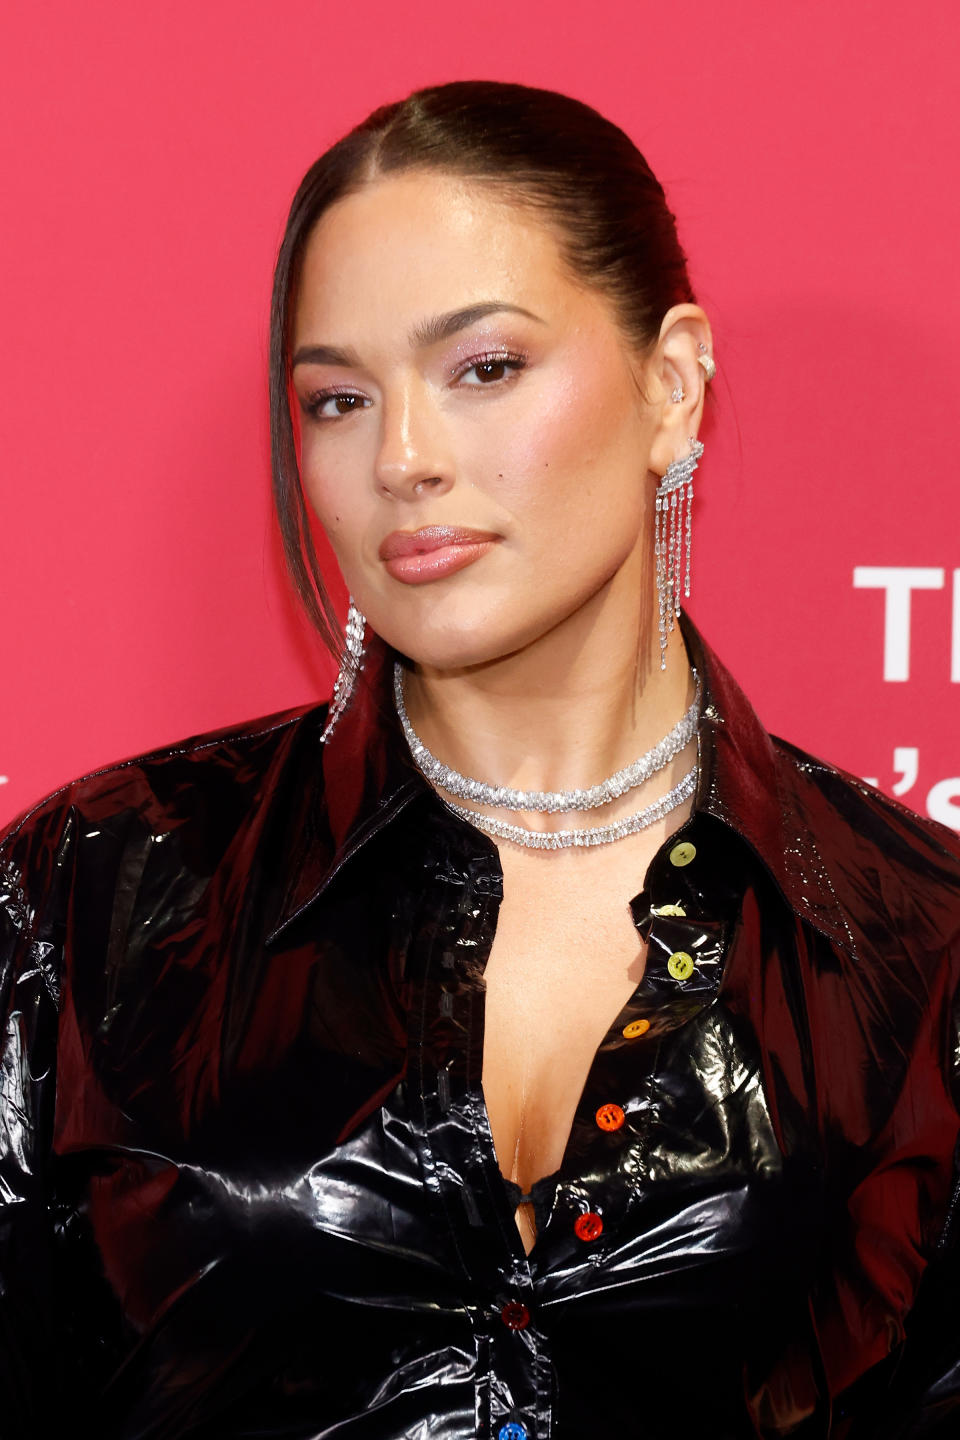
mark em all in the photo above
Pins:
pixel 669 910
pixel 683 853
pixel 635 1028
pixel 680 965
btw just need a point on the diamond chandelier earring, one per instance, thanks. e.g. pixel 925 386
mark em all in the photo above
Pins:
pixel 350 666
pixel 671 536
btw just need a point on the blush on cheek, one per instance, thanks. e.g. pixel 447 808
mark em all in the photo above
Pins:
pixel 573 435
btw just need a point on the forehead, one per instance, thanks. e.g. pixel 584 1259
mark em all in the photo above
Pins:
pixel 419 243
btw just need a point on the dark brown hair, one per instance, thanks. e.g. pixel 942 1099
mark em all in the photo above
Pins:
pixel 537 148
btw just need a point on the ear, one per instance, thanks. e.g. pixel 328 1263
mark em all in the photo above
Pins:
pixel 674 366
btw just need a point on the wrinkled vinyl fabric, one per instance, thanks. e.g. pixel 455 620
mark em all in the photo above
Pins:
pixel 247 1181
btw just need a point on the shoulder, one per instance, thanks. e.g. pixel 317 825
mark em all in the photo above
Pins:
pixel 894 873
pixel 215 773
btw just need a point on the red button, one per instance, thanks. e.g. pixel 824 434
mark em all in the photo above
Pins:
pixel 610 1117
pixel 515 1315
pixel 588 1226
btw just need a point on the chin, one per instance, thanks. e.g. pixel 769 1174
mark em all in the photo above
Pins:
pixel 455 652
pixel 451 646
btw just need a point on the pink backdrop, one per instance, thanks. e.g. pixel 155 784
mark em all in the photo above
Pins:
pixel 149 154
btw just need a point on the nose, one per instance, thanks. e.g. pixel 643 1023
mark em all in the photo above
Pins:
pixel 413 456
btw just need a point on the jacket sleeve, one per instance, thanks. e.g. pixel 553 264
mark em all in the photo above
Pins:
pixel 921 1400
pixel 32 1362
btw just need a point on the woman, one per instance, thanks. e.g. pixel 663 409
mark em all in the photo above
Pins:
pixel 432 1065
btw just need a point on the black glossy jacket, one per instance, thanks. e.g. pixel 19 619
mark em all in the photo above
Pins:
pixel 247 1182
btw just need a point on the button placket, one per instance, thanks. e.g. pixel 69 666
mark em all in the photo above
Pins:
pixel 516 1359
pixel 673 988
pixel 608 1140
pixel 606 1144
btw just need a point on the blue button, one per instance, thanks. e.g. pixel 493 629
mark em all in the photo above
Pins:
pixel 512 1431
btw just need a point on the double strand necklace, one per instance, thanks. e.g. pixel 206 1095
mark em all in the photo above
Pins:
pixel 502 797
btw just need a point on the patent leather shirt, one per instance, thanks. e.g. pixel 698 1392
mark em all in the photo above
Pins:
pixel 247 1181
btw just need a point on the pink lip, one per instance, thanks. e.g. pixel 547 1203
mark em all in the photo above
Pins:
pixel 418 556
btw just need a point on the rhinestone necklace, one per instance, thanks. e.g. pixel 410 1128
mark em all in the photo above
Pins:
pixel 551 802
pixel 592 835
pixel 554 801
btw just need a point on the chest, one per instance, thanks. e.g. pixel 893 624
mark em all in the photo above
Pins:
pixel 556 1041
pixel 565 959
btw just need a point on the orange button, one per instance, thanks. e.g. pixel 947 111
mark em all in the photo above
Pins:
pixel 635 1028
pixel 610 1117
pixel 515 1315
pixel 588 1226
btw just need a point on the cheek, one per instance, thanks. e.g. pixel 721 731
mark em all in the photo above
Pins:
pixel 575 455
pixel 316 475
pixel 332 487
pixel 344 521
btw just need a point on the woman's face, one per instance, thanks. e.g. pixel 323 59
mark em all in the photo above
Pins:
pixel 474 441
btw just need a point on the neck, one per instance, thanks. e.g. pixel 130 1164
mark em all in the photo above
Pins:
pixel 563 712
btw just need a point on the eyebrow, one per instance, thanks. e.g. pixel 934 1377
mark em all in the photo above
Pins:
pixel 427 332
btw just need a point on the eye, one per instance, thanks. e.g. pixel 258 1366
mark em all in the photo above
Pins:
pixel 343 402
pixel 493 368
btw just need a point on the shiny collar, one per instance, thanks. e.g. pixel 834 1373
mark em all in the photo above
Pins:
pixel 369 777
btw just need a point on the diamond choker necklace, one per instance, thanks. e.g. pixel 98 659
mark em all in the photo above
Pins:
pixel 559 801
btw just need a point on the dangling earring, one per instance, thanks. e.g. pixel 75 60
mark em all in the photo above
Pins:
pixel 672 532
pixel 350 667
